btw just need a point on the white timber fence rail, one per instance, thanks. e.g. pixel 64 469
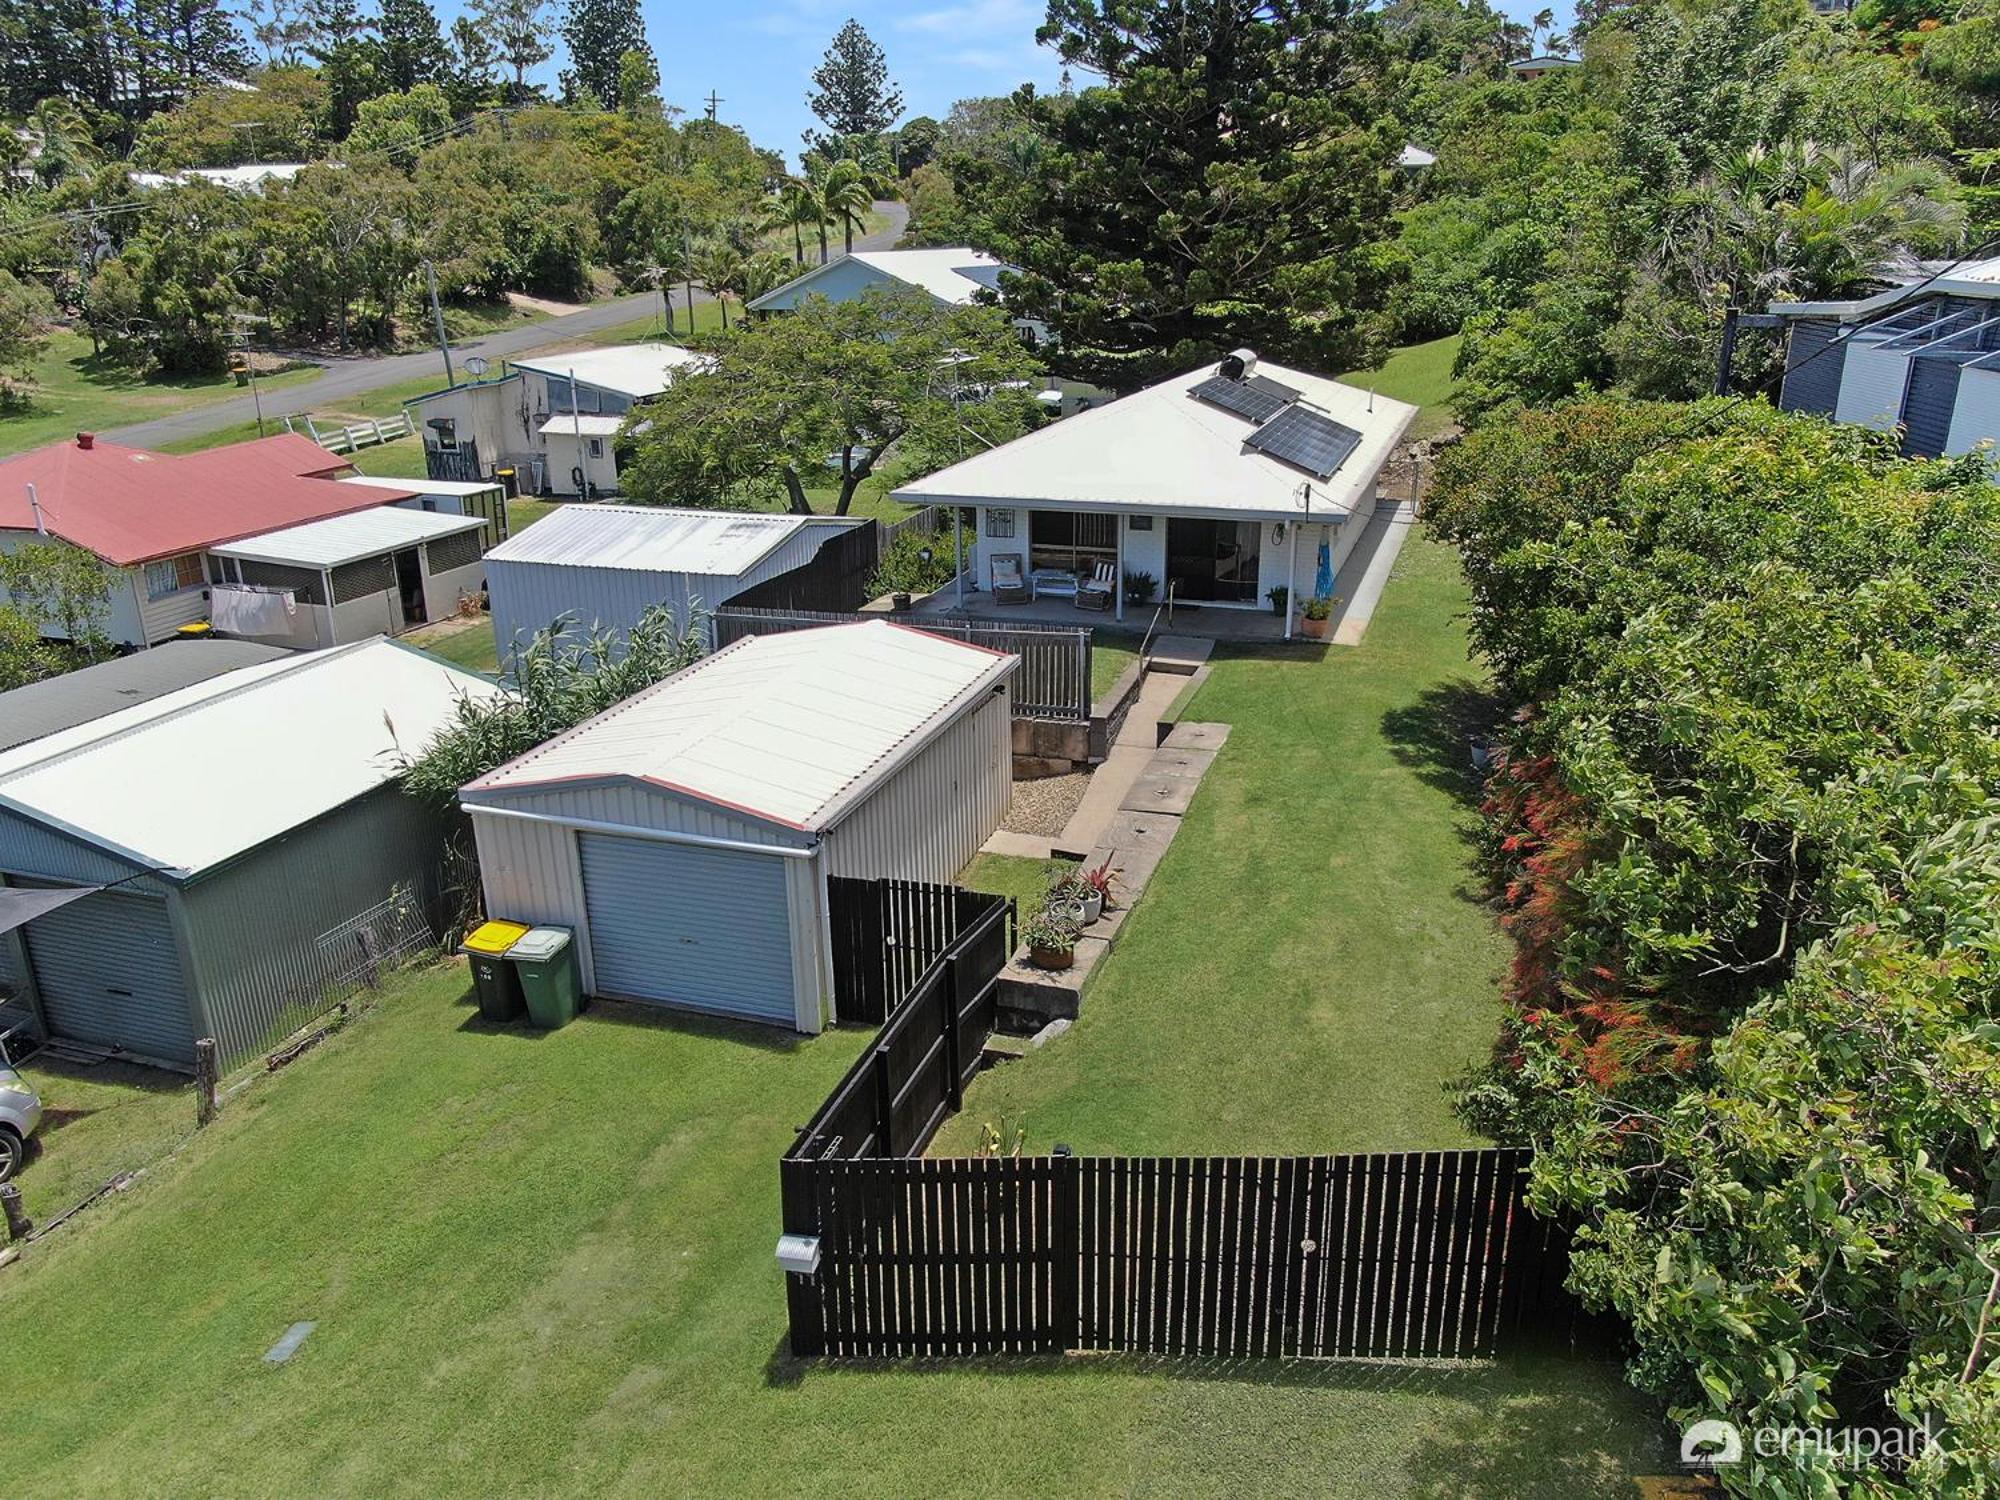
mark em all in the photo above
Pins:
pixel 346 439
pixel 1054 680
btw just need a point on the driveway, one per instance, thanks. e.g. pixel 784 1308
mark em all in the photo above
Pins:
pixel 347 378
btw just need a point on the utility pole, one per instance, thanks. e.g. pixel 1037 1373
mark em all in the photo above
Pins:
pixel 712 101
pixel 437 322
pixel 687 270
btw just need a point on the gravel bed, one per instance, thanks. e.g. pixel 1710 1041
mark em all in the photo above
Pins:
pixel 1045 804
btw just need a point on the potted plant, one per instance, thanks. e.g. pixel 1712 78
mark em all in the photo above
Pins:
pixel 1279 596
pixel 1140 587
pixel 1099 880
pixel 1051 937
pixel 1070 895
pixel 1316 615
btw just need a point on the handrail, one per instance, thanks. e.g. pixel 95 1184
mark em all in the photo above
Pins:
pixel 1166 604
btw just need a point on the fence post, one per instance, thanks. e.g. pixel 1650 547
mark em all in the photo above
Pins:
pixel 19 1225
pixel 885 1105
pixel 1083 704
pixel 1066 1286
pixel 954 1076
pixel 796 1180
pixel 205 1075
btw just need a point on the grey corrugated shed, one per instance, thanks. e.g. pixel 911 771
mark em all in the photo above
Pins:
pixel 78 697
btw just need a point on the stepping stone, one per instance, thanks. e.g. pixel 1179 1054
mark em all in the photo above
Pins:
pixel 1188 735
pixel 1180 653
pixel 1160 793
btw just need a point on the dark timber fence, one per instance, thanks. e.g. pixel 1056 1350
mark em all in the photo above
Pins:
pixel 1401 1256
pixel 1053 683
pixel 888 933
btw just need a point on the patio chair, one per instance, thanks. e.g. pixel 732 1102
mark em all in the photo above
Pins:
pixel 1010 583
pixel 1095 592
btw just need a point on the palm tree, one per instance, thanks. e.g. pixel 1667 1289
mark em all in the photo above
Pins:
pixel 805 204
pixel 763 272
pixel 67 149
pixel 719 266
pixel 1544 21
pixel 848 195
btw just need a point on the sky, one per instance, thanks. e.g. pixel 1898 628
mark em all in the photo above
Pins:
pixel 759 56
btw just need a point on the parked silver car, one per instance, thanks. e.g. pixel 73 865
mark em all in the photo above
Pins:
pixel 20 1113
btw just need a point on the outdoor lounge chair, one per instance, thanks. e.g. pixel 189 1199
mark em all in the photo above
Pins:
pixel 1010 584
pixel 1095 592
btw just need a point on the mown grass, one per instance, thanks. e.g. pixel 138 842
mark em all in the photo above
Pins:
pixel 1420 374
pixel 98 1120
pixel 79 392
pixel 541 1264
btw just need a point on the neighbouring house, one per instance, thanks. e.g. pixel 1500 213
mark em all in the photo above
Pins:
pixel 953 277
pixel 224 855
pixel 380 571
pixel 155 518
pixel 1920 359
pixel 484 498
pixel 1527 69
pixel 1222 484
pixel 251 177
pixel 552 419
pixel 606 565
pixel 1414 158
pixel 89 693
pixel 687 835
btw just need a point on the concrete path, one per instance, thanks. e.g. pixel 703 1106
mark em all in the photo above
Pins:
pixel 1112 782
pixel 1180 653
pixel 1366 571
pixel 344 379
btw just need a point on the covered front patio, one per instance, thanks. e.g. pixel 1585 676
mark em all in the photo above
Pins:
pixel 1182 619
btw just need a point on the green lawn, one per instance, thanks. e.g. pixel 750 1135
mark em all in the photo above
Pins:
pixel 98 1121
pixel 542 1264
pixel 1420 374
pixel 79 393
pixel 1108 658
pixel 1023 881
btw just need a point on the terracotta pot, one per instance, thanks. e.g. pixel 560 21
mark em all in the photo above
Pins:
pixel 1052 958
pixel 1314 629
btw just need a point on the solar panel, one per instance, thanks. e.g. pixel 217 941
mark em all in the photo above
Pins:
pixel 1256 398
pixel 1305 440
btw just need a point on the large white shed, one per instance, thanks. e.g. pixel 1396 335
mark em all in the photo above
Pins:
pixel 606 565
pixel 687 834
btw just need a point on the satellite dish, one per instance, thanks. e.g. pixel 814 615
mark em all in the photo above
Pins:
pixel 477 365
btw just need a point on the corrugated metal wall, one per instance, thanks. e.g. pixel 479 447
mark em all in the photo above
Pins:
pixel 639 807
pixel 1975 418
pixel 1812 368
pixel 1871 387
pixel 1928 405
pixel 29 848
pixel 252 925
pixel 928 819
pixel 527 597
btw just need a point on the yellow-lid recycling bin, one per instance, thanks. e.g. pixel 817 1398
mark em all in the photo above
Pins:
pixel 497 982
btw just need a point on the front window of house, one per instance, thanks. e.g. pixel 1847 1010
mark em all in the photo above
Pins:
pixel 1071 541
pixel 172 574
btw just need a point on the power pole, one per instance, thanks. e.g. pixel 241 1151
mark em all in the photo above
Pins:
pixel 437 322
pixel 713 100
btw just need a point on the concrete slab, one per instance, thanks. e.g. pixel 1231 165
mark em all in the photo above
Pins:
pixel 1189 735
pixel 1366 571
pixel 1180 653
pixel 1171 760
pixel 1158 793
pixel 1017 845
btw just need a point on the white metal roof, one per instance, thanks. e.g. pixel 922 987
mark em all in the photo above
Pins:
pixel 1160 450
pixel 634 370
pixel 583 424
pixel 425 486
pixel 792 728
pixel 196 777
pixel 1414 157
pixel 654 539
pixel 342 539
pixel 954 275
pixel 1977 278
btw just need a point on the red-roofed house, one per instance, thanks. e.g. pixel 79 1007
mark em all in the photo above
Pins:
pixel 163 522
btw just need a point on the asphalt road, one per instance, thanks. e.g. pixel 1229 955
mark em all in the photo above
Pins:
pixel 344 379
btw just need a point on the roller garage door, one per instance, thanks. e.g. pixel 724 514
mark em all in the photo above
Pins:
pixel 709 929
pixel 108 972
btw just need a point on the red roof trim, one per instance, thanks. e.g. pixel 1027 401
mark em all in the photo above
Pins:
pixel 947 639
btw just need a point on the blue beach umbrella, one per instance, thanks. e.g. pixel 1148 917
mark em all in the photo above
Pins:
pixel 1323 579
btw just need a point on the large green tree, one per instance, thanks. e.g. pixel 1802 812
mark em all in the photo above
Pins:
pixel 829 391
pixel 598 34
pixel 851 91
pixel 521 36
pixel 413 49
pixel 1225 186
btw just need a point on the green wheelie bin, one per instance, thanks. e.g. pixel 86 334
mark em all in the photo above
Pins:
pixel 545 958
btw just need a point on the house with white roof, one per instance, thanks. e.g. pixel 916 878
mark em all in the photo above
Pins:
pixel 1920 358
pixel 219 860
pixel 605 565
pixel 1223 484
pixel 552 419
pixel 687 836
